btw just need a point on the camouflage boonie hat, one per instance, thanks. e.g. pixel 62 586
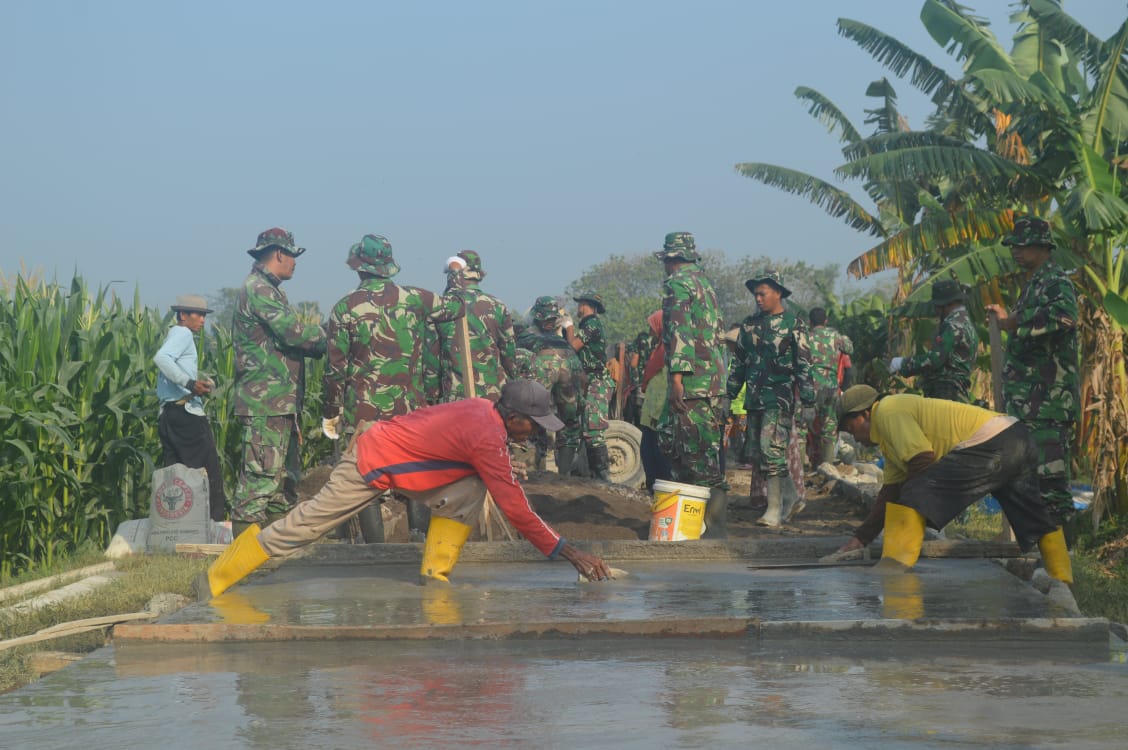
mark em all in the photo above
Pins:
pixel 373 254
pixel 278 238
pixel 545 309
pixel 594 299
pixel 855 399
pixel 679 245
pixel 768 277
pixel 1030 230
pixel 473 268
pixel 946 292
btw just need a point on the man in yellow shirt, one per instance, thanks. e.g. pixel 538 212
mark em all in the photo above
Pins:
pixel 940 457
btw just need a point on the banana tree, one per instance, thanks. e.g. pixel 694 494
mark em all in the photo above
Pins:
pixel 1040 129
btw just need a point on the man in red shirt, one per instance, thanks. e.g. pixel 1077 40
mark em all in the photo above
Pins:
pixel 446 457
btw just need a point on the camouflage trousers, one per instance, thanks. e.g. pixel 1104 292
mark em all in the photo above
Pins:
pixel 824 425
pixel 271 468
pixel 692 442
pixel 570 413
pixel 1054 471
pixel 769 433
pixel 597 399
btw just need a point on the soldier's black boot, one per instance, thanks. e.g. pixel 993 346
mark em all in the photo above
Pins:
pixel 716 514
pixel 599 462
pixel 564 459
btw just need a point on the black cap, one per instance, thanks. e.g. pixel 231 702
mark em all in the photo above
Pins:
pixel 531 399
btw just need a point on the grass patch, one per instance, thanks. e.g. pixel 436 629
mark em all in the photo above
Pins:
pixel 975 523
pixel 89 554
pixel 142 577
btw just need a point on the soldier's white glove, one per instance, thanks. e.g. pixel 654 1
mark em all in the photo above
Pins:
pixel 895 364
pixel 566 321
pixel 329 427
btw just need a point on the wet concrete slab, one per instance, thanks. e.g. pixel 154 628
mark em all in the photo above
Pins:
pixel 590 693
pixel 328 600
pixel 685 652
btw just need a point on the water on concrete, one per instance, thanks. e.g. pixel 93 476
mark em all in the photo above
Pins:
pixel 589 693
pixel 355 595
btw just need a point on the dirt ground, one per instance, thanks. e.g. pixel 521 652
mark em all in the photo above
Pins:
pixel 586 509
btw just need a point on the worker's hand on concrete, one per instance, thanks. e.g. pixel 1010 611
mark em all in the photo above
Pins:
pixel 851 550
pixel 329 427
pixel 895 364
pixel 589 566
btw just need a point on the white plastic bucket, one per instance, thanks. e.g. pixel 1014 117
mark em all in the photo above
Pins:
pixel 678 511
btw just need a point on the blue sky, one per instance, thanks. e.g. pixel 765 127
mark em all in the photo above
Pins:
pixel 148 143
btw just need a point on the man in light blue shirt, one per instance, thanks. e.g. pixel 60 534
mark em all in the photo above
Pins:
pixel 186 436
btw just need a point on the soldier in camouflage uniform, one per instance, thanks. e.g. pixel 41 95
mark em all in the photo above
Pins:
pixel 493 346
pixel 772 357
pixel 590 343
pixel 827 346
pixel 555 366
pixel 271 345
pixel 692 335
pixel 377 334
pixel 944 371
pixel 638 353
pixel 1040 373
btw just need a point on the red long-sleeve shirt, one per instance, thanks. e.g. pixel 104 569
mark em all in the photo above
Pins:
pixel 433 447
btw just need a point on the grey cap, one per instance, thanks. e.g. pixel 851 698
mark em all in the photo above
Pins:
pixel 531 399
pixel 191 303
pixel 856 398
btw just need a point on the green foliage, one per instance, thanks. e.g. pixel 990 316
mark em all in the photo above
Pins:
pixel 631 287
pixel 78 414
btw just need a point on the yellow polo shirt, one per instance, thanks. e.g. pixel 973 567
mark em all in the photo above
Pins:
pixel 904 426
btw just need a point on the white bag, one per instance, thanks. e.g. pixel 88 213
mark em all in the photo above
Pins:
pixel 178 512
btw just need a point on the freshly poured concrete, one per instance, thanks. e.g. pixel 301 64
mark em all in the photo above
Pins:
pixel 680 597
pixel 519 655
pixel 566 693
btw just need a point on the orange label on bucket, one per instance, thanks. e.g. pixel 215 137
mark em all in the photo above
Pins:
pixel 675 518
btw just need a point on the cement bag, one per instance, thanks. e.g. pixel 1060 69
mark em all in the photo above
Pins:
pixel 178 512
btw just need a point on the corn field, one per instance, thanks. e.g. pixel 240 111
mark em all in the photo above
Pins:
pixel 78 415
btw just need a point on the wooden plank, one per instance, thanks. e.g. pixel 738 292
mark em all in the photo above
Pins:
pixel 200 549
pixel 74 628
pixel 54 581
pixel 996 338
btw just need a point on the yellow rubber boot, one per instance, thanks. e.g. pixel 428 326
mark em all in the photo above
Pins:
pixel 1055 556
pixel 904 533
pixel 441 548
pixel 238 561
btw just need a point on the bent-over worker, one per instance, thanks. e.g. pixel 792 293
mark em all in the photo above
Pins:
pixel 446 457
pixel 940 457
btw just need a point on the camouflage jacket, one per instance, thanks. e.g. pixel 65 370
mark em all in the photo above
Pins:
pixel 692 332
pixel 271 345
pixel 827 346
pixel 643 345
pixel 947 366
pixel 1040 373
pixel 593 355
pixel 493 348
pixel 377 348
pixel 556 367
pixel 773 358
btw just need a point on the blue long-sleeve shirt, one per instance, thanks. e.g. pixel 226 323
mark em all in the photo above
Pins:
pixel 177 363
